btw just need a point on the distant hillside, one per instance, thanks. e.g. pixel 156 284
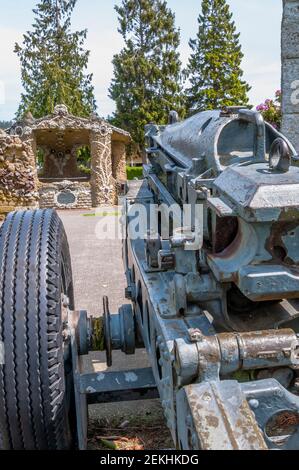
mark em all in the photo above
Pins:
pixel 5 124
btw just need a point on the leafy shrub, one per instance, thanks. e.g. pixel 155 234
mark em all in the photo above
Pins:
pixel 271 110
pixel 84 170
pixel 134 172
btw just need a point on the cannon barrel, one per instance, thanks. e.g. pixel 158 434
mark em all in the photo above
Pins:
pixel 217 138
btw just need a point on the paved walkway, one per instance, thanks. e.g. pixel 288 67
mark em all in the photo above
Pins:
pixel 97 271
pixel 97 264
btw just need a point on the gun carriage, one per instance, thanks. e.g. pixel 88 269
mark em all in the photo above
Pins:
pixel 215 303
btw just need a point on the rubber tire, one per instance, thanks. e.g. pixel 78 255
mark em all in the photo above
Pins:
pixel 35 269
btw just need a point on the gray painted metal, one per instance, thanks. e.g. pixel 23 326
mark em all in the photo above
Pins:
pixel 105 387
pixel 143 393
pixel 267 399
pixel 119 331
pixel 80 399
pixel 220 159
pixel 212 317
pixel 216 139
pixel 117 381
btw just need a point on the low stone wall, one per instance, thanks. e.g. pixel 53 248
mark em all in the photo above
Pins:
pixel 65 195
pixel 18 175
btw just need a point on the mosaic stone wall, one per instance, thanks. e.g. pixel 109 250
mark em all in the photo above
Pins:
pixel 18 174
pixel 65 195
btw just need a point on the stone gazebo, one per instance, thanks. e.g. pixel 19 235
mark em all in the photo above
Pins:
pixel 57 138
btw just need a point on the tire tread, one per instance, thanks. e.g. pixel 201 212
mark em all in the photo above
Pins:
pixel 33 413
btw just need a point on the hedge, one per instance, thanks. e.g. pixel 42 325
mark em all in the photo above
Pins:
pixel 134 172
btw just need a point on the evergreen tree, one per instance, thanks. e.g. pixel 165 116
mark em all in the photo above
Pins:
pixel 214 68
pixel 5 124
pixel 147 72
pixel 54 62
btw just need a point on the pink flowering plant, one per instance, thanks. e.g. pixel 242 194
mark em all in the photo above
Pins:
pixel 271 110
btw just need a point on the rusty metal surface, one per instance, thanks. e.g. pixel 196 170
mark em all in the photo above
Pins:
pixel 219 355
pixel 218 418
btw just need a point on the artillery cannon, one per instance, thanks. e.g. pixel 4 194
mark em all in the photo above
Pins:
pixel 215 303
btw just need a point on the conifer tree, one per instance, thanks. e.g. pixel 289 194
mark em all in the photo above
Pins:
pixel 53 63
pixel 147 72
pixel 5 124
pixel 214 68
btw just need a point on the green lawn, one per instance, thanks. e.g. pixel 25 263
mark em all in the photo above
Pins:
pixel 134 172
pixel 103 214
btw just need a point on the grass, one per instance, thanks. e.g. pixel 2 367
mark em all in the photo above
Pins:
pixel 103 214
pixel 134 172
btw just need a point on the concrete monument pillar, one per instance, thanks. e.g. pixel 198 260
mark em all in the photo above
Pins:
pixel 119 161
pixel 290 71
pixel 103 185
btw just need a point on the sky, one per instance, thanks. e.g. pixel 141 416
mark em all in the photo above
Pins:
pixel 258 21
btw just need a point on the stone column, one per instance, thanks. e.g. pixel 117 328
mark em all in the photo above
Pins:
pixel 18 175
pixel 119 163
pixel 290 71
pixel 102 181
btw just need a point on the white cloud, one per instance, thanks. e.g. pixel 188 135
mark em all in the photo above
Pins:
pixel 263 78
pixel 2 93
pixel 103 45
pixel 10 74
